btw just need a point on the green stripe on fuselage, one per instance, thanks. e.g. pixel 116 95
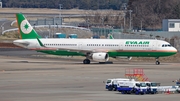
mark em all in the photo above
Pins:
pixel 111 54
pixel 141 54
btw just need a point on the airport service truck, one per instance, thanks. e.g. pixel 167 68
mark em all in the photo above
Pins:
pixel 177 85
pixel 132 87
pixel 152 87
pixel 172 89
pixel 111 84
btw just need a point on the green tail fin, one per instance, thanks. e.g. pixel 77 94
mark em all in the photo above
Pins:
pixel 110 36
pixel 25 29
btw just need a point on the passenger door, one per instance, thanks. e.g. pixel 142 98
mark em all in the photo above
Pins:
pixel 154 45
pixel 80 45
pixel 121 46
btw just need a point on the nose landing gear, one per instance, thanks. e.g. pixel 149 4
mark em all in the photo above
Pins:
pixel 157 61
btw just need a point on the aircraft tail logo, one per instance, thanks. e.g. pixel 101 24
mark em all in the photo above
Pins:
pixel 25 29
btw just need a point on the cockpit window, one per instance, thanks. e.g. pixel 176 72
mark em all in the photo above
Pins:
pixel 169 46
pixel 166 45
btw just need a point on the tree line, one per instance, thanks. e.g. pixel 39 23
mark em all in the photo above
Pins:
pixel 66 4
pixel 145 13
pixel 150 13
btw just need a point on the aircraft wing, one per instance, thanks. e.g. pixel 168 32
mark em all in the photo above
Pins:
pixel 71 50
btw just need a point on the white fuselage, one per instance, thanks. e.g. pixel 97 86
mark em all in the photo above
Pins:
pixel 93 45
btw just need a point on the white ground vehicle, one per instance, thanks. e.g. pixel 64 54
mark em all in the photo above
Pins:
pixel 173 89
pixel 134 87
pixel 152 87
pixel 111 84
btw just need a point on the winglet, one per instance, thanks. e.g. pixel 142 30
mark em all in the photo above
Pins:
pixel 40 43
pixel 110 36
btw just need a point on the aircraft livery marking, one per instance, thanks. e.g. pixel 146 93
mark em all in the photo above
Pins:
pixel 137 42
pixel 26 28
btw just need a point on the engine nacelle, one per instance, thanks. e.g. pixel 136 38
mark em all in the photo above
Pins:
pixel 100 57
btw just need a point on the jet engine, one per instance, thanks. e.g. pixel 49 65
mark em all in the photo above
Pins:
pixel 100 57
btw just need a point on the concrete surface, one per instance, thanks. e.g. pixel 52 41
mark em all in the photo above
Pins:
pixel 35 79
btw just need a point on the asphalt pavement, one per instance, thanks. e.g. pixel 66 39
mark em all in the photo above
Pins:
pixel 26 78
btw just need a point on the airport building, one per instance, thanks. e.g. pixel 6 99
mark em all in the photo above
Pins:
pixel 171 25
pixel 48 21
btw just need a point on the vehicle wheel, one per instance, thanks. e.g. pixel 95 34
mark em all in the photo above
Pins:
pixel 131 91
pixel 123 92
pixel 110 88
pixel 142 93
pixel 128 92
pixel 153 92
pixel 137 93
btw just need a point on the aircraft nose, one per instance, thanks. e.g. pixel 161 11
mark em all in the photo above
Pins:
pixel 174 50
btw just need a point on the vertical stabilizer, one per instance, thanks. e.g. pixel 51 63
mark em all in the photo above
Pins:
pixel 25 29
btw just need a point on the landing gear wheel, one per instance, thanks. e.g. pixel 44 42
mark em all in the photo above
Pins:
pixel 86 61
pixel 157 63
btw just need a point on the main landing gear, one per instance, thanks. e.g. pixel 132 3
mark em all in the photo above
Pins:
pixel 157 61
pixel 86 61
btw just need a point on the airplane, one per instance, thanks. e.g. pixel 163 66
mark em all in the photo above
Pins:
pixel 98 50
